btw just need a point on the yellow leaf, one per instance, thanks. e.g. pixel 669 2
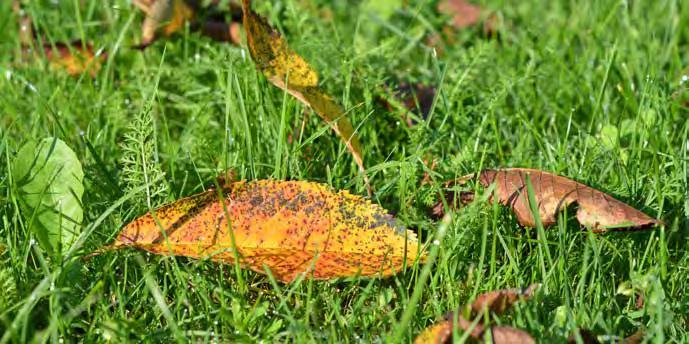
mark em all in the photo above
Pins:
pixel 279 64
pixel 74 58
pixel 289 227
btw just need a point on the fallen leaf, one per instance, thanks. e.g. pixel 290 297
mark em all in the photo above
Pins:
pixel 635 338
pixel 290 72
pixel 163 17
pixel 74 58
pixel 495 301
pixel 596 210
pixel 585 337
pixel 437 334
pixel 499 301
pixel 222 31
pixel 510 335
pixel 48 179
pixel 289 227
pixel 25 34
pixel 588 337
pixel 463 13
pixel 411 97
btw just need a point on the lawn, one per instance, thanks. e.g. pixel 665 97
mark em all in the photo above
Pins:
pixel 597 91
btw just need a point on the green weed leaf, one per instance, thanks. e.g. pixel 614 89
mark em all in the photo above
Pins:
pixel 49 181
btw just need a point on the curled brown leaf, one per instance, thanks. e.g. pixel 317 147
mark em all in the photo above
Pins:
pixel 596 210
pixel 496 302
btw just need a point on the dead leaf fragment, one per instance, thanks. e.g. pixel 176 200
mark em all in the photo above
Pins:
pixel 585 336
pixel 437 334
pixel 74 58
pixel 596 210
pixel 501 300
pixel 222 31
pixel 635 338
pixel 495 301
pixel 163 17
pixel 416 97
pixel 463 13
pixel 510 335
pixel 289 227
pixel 588 337
pixel 290 72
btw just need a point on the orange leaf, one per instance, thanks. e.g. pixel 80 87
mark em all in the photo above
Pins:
pixel 279 64
pixel 290 227
pixel 596 210
pixel 74 58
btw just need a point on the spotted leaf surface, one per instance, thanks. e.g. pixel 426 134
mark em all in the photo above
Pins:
pixel 288 227
pixel 290 72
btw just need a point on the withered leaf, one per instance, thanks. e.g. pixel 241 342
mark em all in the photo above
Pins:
pixel 74 58
pixel 463 13
pixel 510 335
pixel 588 337
pixel 221 31
pixel 163 17
pixel 415 97
pixel 495 301
pixel 290 72
pixel 289 227
pixel 584 336
pixel 501 300
pixel 596 210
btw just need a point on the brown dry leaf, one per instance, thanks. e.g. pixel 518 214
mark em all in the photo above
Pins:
pixel 411 97
pixel 510 335
pixel 586 337
pixel 501 300
pixel 635 338
pixel 278 63
pixel 163 17
pixel 495 301
pixel 222 31
pixel 74 58
pixel 463 13
pixel 442 333
pixel 596 210
pixel 25 34
pixel 290 227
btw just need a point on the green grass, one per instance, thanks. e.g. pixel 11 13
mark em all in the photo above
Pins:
pixel 587 89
